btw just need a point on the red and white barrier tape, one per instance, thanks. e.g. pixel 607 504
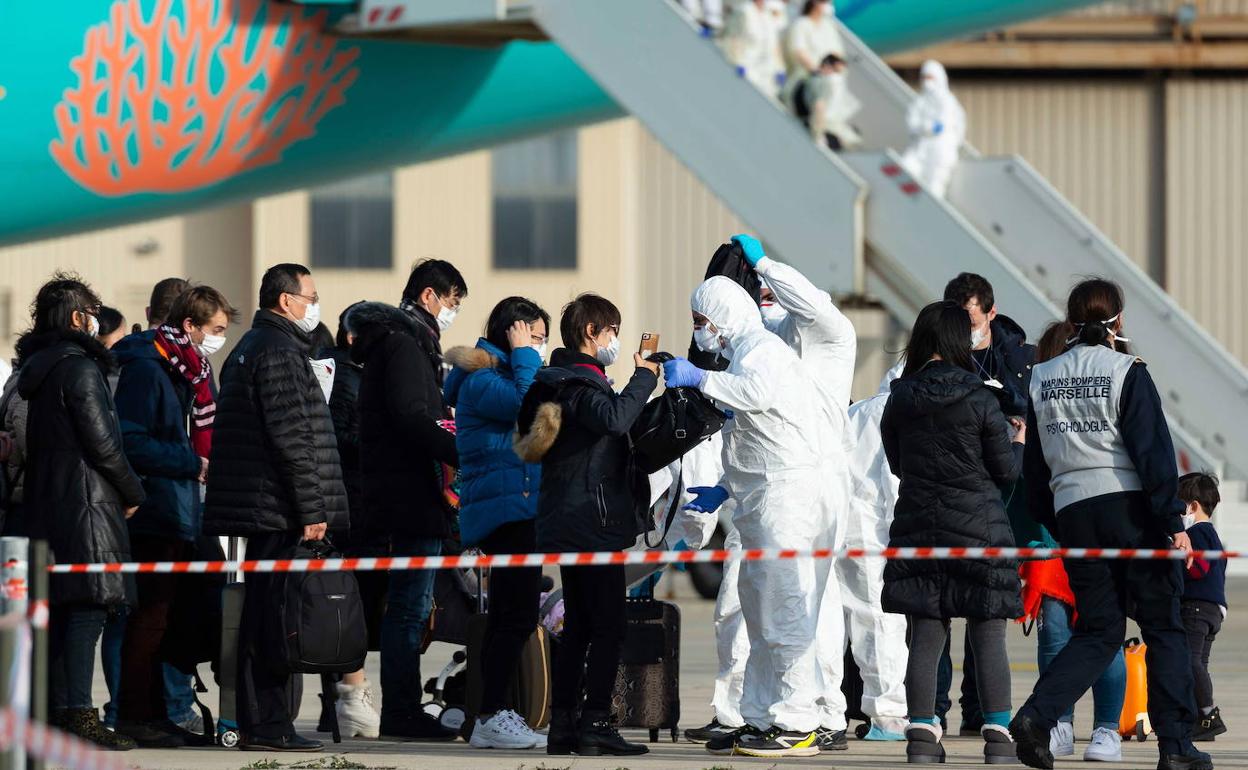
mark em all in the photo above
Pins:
pixel 627 557
pixel 55 747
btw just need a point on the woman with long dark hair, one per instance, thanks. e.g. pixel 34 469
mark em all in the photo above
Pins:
pixel 79 488
pixel 498 499
pixel 948 441
pixel 1101 473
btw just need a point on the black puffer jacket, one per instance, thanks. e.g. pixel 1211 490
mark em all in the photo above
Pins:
pixel 949 443
pixel 274 464
pixel 78 482
pixel 402 445
pixel 593 496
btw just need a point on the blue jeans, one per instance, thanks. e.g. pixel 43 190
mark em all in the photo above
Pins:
pixel 179 695
pixel 110 659
pixel 1108 692
pixel 407 611
pixel 73 632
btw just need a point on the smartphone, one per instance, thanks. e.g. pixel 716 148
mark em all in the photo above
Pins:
pixel 649 344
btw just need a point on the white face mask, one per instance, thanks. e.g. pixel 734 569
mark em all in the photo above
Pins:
pixel 311 317
pixel 446 317
pixel 606 356
pixel 93 326
pixel 541 351
pixel 707 339
pixel 211 344
pixel 979 336
pixel 774 316
pixel 1188 520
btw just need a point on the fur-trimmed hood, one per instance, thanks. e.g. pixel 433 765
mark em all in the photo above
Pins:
pixel 472 359
pixel 533 445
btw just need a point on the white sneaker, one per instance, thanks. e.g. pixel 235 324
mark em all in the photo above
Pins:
pixel 357 715
pixel 539 739
pixel 1062 740
pixel 1106 746
pixel 501 731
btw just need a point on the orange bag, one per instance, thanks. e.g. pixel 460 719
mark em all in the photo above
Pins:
pixel 1134 719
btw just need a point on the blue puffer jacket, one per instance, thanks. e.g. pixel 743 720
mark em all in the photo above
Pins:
pixel 153 404
pixel 486 388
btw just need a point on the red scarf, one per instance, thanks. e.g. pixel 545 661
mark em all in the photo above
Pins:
pixel 175 347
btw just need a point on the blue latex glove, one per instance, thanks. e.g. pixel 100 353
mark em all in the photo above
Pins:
pixel 751 246
pixel 937 128
pixel 707 499
pixel 679 373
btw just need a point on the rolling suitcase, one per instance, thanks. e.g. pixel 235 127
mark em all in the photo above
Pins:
pixel 227 666
pixel 647 687
pixel 529 691
pixel 1134 720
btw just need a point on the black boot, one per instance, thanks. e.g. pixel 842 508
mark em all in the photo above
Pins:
pixel 1209 727
pixel 923 744
pixel 597 736
pixel 562 736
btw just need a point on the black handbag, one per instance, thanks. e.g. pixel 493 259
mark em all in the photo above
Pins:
pixel 672 424
pixel 317 618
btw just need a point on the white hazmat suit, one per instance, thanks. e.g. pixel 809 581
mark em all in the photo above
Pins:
pixel 937 125
pixel 772 468
pixel 877 638
pixel 824 338
pixel 752 43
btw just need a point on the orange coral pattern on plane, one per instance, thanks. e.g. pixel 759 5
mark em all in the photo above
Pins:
pixel 145 115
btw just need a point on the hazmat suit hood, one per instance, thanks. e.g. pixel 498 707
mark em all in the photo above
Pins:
pixel 726 305
pixel 934 78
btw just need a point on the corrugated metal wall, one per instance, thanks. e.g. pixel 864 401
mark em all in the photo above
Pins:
pixel 1094 140
pixel 1207 203
pixel 120 263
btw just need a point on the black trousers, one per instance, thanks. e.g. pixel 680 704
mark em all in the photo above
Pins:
pixel 514 592
pixel 594 624
pixel 1106 591
pixel 1203 621
pixel 264 695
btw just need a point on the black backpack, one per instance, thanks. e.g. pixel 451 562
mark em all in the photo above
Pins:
pixel 672 424
pixel 317 618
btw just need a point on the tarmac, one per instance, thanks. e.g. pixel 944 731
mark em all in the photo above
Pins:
pixel 1229 667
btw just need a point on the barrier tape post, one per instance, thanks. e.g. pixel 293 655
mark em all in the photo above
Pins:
pixel 39 560
pixel 13 669
pixel 472 561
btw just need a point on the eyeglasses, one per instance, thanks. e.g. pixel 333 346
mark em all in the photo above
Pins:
pixel 454 303
pixel 538 339
pixel 315 299
pixel 611 327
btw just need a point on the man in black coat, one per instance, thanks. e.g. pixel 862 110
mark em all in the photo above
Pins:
pixel 1001 353
pixel 407 457
pixel 275 478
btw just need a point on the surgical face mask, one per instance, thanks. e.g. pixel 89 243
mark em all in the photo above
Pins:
pixel 541 350
pixel 773 315
pixel 1188 520
pixel 979 336
pixel 93 326
pixel 446 317
pixel 606 356
pixel 707 339
pixel 211 344
pixel 311 317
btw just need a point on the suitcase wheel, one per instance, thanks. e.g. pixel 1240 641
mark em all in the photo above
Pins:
pixel 229 739
pixel 1141 733
pixel 654 735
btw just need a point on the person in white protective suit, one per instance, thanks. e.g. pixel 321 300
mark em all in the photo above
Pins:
pixel 773 452
pixel 811 37
pixel 752 43
pixel 708 13
pixel 809 322
pixel 877 638
pixel 937 125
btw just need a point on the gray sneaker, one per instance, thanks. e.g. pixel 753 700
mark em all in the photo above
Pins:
pixel 192 724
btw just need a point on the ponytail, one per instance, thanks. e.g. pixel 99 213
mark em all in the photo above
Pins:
pixel 1093 310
